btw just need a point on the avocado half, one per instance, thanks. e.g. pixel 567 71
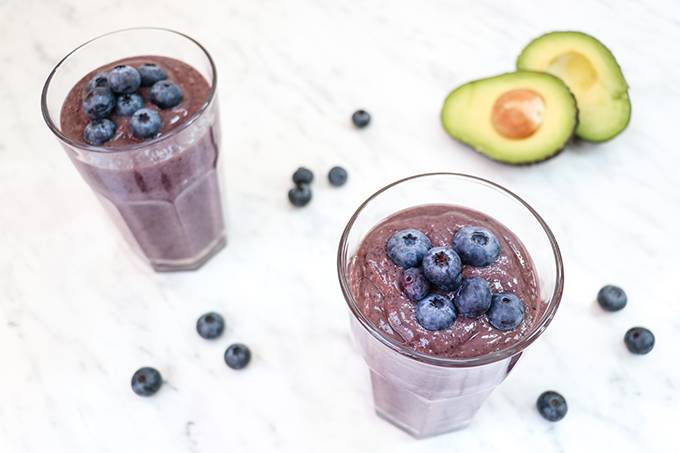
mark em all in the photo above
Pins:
pixel 592 74
pixel 517 118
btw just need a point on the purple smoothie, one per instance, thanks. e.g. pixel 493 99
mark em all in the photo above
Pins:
pixel 374 281
pixel 163 191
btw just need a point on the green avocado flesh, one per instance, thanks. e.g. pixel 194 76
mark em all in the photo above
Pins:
pixel 469 115
pixel 592 74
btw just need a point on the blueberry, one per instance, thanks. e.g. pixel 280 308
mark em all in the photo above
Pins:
pixel 639 340
pixel 303 176
pixel 146 381
pixel 435 312
pixel 99 131
pixel 361 118
pixel 442 267
pixel 124 79
pixel 414 284
pixel 151 73
pixel 101 80
pixel 473 298
pixel 506 312
pixel 476 246
pixel 99 103
pixel 300 195
pixel 237 356
pixel 145 123
pixel 337 176
pixel 165 94
pixel 552 406
pixel 210 325
pixel 127 104
pixel 612 298
pixel 406 248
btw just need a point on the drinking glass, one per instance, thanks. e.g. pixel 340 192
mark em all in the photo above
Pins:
pixel 163 193
pixel 425 394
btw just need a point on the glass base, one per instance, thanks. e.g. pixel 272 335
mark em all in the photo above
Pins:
pixel 423 416
pixel 416 433
pixel 422 399
pixel 192 264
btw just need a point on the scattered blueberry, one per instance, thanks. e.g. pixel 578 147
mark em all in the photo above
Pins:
pixel 300 195
pixel 124 79
pixel 552 406
pixel 99 131
pixel 414 284
pixel 442 267
pixel 237 356
pixel 210 325
pixel 476 246
pixel 151 73
pixel 101 80
pixel 165 94
pixel 146 381
pixel 612 298
pixel 303 176
pixel 145 123
pixel 435 312
pixel 361 118
pixel 127 104
pixel 406 248
pixel 99 103
pixel 506 312
pixel 337 176
pixel 639 340
pixel 473 298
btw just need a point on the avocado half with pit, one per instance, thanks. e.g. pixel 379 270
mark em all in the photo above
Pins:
pixel 592 74
pixel 516 118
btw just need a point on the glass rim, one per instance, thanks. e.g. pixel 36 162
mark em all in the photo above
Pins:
pixel 102 149
pixel 486 359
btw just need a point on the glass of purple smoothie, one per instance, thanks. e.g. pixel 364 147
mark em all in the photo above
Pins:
pixel 425 382
pixel 161 190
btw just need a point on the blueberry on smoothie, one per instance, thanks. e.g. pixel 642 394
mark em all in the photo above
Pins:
pixel 552 406
pixel 612 298
pixel 210 325
pixel 124 79
pixel 237 356
pixel 639 340
pixel 151 73
pixel 99 131
pixel 303 175
pixel 442 267
pixel 477 246
pixel 98 103
pixel 337 176
pixel 473 298
pixel 506 311
pixel 145 123
pixel 406 248
pixel 101 80
pixel 414 284
pixel 300 196
pixel 361 118
pixel 127 104
pixel 146 381
pixel 165 94
pixel 435 312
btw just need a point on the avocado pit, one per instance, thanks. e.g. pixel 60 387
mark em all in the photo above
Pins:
pixel 518 113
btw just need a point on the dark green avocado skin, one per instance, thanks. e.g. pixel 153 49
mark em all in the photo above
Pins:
pixel 529 163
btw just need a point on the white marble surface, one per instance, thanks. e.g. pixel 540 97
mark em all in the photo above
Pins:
pixel 79 313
